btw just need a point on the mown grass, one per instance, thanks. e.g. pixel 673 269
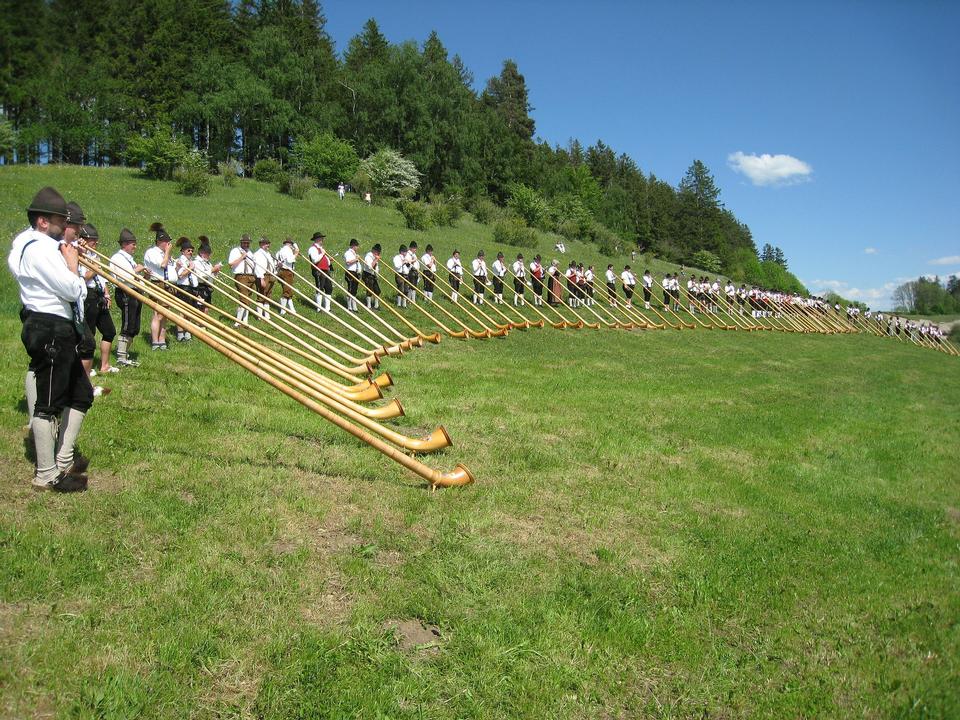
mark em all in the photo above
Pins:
pixel 665 524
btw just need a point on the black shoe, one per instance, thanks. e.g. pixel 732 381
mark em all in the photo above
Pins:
pixel 69 483
pixel 80 464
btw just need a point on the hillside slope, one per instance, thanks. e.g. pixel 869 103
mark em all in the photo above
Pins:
pixel 665 524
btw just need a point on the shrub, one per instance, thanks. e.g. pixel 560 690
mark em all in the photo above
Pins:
pixel 415 214
pixel 326 158
pixel 268 170
pixel 706 260
pixel 230 171
pixel 608 242
pixel 484 210
pixel 514 231
pixel 160 153
pixel 527 203
pixel 390 173
pixel 445 210
pixel 296 186
pixel 193 176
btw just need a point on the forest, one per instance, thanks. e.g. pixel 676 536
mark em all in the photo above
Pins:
pixel 164 83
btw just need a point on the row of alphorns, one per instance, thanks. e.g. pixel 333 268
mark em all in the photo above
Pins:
pixel 741 309
pixel 340 391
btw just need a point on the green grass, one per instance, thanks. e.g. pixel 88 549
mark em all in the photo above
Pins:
pixel 665 524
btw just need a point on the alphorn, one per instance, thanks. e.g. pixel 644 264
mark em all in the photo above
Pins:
pixel 218 336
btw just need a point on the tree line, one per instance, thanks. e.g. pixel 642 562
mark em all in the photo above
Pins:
pixel 928 296
pixel 260 81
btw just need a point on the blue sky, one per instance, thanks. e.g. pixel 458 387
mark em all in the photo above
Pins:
pixel 856 106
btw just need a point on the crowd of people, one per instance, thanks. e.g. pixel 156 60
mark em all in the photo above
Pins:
pixel 67 304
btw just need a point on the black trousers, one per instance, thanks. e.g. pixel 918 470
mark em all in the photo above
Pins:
pixel 646 294
pixel 51 342
pixel 497 286
pixel 428 281
pixel 353 283
pixel 537 285
pixel 479 283
pixel 454 281
pixel 129 313
pixel 371 283
pixel 97 318
pixel 518 286
pixel 322 281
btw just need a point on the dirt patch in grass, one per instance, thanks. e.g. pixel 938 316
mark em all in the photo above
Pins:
pixel 953 515
pixel 413 635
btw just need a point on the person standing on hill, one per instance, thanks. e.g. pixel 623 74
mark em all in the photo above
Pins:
pixel 186 280
pixel 96 309
pixel 647 288
pixel 371 276
pixel 400 271
pixel 286 262
pixel 45 263
pixel 629 283
pixel 157 261
pixel 413 272
pixel 124 267
pixel 499 269
pixel 611 285
pixel 519 270
pixel 479 267
pixel 320 265
pixel 351 261
pixel 204 270
pixel 537 274
pixel 243 265
pixel 429 261
pixel 455 270
pixel 341 190
pixel 265 272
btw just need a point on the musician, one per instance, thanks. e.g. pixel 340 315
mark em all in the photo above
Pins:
pixel 693 289
pixel 45 262
pixel 629 281
pixel 588 276
pixel 401 271
pixel 124 267
pixel 320 265
pixel 286 262
pixel 611 285
pixel 499 269
pixel 205 271
pixel 429 261
pixel 647 288
pixel 413 272
pixel 554 285
pixel 96 310
pixel 519 270
pixel 242 264
pixel 157 261
pixel 371 276
pixel 479 266
pixel 730 291
pixel 665 286
pixel 265 272
pixel 186 281
pixel 675 291
pixel 351 261
pixel 537 274
pixel 455 269
pixel 573 291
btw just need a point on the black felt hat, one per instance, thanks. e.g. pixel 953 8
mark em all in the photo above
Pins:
pixel 127 237
pixel 318 236
pixel 89 232
pixel 49 202
pixel 75 215
pixel 160 231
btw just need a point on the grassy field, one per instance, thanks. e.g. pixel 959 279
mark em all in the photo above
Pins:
pixel 665 524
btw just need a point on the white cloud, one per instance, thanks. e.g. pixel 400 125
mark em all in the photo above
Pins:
pixel 869 251
pixel 880 296
pixel 770 169
pixel 949 260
